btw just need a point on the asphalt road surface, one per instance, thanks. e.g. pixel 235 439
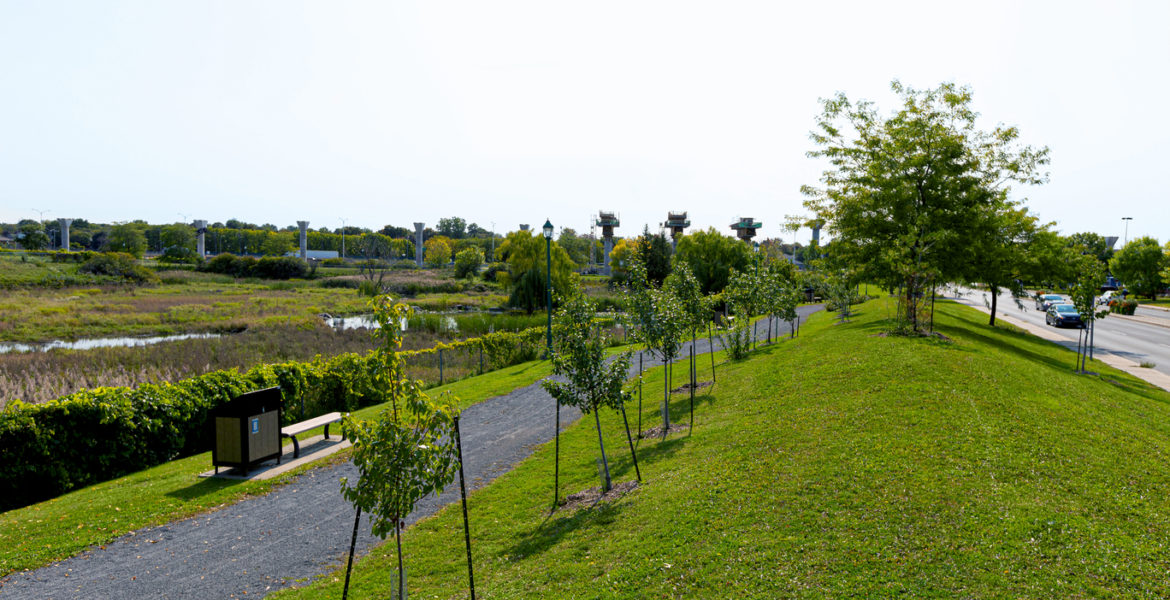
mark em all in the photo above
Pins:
pixel 1130 339
pixel 296 532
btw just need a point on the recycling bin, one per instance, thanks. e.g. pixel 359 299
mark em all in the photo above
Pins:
pixel 247 430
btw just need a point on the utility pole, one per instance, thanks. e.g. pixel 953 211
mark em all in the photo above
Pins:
pixel 343 225
pixel 1126 239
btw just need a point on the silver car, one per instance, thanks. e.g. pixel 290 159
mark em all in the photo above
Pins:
pixel 1043 301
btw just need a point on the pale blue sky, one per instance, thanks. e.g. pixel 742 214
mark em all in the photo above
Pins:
pixel 513 111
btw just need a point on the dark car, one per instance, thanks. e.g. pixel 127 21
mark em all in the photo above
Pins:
pixel 1063 315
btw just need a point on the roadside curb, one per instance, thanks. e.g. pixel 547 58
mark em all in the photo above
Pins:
pixel 1148 375
pixel 1155 321
pixel 1154 307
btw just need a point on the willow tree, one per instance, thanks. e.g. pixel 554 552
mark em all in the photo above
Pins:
pixel 902 191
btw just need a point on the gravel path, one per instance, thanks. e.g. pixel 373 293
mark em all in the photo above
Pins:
pixel 292 534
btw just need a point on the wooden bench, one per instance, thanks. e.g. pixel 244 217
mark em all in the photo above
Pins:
pixel 295 429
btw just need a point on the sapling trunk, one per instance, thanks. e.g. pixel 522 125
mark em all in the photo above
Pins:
pixel 357 518
pixel 639 394
pixel 401 568
pixel 630 439
pixel 666 401
pixel 711 351
pixel 606 485
pixel 557 460
pixel 692 388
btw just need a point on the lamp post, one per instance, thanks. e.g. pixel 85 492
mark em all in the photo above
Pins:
pixel 343 225
pixel 1125 240
pixel 548 233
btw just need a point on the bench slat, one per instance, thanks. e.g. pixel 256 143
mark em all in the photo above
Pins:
pixel 313 423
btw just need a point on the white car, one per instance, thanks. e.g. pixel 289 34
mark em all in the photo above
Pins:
pixel 1107 296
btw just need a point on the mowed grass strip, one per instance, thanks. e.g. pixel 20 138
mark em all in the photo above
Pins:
pixel 39 534
pixel 839 464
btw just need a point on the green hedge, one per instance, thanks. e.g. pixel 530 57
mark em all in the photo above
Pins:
pixel 98 434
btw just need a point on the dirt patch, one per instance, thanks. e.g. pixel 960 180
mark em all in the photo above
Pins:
pixel 593 496
pixel 687 387
pixel 656 432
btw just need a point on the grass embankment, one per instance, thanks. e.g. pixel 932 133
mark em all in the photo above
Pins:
pixel 36 535
pixel 841 463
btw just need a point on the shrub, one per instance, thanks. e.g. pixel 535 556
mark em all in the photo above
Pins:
pixel 468 262
pixel 494 270
pixel 117 264
pixel 269 267
pixel 338 283
pixel 280 267
pixel 738 339
pixel 1124 307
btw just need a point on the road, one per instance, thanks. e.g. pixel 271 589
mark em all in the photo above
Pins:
pixel 298 531
pixel 1131 339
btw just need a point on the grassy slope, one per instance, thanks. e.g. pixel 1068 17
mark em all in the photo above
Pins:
pixel 39 534
pixel 840 463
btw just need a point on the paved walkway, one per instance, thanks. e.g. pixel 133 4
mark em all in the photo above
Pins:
pixel 292 534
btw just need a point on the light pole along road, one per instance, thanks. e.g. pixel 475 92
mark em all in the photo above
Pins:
pixel 1130 339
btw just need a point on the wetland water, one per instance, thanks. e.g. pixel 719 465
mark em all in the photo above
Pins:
pixel 110 342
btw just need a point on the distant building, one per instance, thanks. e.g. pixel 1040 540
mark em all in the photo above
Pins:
pixel 315 254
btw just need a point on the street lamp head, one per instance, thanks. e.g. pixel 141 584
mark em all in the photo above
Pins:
pixel 548 229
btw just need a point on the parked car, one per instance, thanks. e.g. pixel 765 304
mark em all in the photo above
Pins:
pixel 1043 301
pixel 1061 315
pixel 1107 296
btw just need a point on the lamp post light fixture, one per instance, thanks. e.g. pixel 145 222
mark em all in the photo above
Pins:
pixel 1125 240
pixel 548 233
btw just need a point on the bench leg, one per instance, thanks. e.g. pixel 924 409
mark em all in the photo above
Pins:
pixel 296 446
pixel 326 431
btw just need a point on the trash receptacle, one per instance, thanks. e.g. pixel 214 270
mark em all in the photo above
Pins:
pixel 247 430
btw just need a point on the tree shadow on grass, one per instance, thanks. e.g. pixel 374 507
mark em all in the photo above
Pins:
pixel 204 486
pixel 550 531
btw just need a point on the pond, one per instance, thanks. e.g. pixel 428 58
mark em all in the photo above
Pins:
pixel 111 342
pixel 468 324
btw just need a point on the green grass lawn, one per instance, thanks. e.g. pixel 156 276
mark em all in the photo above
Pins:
pixel 36 535
pixel 840 464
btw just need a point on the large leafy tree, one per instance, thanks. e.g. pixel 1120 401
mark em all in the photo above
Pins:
pixel 178 241
pixel 999 250
pixel 577 246
pixel 711 257
pixel 655 250
pixel 128 238
pixel 1139 266
pixel 1092 243
pixel 33 237
pixel 901 191
pixel 453 227
pixel 1049 260
pixel 1166 271
pixel 437 251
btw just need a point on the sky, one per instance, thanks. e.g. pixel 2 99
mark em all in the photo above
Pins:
pixel 512 112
